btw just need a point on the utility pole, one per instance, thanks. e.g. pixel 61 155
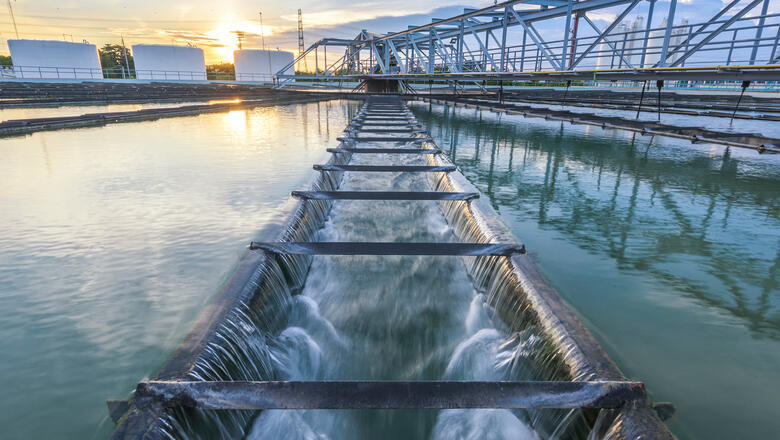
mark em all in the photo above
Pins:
pixel 301 47
pixel 262 32
pixel 13 19
pixel 124 52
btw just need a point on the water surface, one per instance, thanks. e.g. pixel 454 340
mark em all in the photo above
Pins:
pixel 114 238
pixel 9 113
pixel 669 252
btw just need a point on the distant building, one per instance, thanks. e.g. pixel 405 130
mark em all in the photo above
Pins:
pixel 261 65
pixel 54 59
pixel 677 38
pixel 634 49
pixel 168 62
pixel 679 34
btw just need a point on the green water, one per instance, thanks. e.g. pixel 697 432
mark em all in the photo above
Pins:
pixel 113 240
pixel 668 251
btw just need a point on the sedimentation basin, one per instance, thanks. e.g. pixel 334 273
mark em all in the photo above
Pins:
pixel 464 333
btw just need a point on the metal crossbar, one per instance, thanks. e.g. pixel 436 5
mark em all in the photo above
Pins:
pixel 386 130
pixel 391 394
pixel 386 150
pixel 385 139
pixel 383 124
pixel 387 168
pixel 384 118
pixel 397 112
pixel 385 195
pixel 386 248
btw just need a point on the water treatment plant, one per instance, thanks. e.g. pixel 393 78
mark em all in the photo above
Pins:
pixel 530 219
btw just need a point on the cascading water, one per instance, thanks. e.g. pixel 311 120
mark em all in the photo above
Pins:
pixel 382 318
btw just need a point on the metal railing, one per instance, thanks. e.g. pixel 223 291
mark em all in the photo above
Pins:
pixel 52 72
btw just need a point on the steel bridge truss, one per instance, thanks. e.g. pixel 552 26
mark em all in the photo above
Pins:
pixel 562 40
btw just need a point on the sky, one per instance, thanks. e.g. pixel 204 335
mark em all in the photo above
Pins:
pixel 211 25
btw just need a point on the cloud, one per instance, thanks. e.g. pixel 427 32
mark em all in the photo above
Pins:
pixel 336 17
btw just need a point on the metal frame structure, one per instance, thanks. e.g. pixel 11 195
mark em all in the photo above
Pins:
pixel 557 39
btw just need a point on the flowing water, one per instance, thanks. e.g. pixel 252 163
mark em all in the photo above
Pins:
pixel 669 252
pixel 113 240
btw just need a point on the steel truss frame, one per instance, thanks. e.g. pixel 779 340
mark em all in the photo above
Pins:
pixel 557 39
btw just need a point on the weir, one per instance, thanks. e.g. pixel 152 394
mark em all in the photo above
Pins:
pixel 265 343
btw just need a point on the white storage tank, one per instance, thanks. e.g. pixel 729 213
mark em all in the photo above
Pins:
pixel 261 65
pixel 168 62
pixel 54 59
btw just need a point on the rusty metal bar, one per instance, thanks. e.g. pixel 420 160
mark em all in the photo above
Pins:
pixel 385 195
pixel 383 124
pixel 385 139
pixel 391 394
pixel 386 150
pixel 386 130
pixel 387 168
pixel 388 248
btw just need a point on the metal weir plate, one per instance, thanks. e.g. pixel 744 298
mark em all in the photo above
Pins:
pixel 391 394
pixel 385 248
pixel 385 195
pixel 387 168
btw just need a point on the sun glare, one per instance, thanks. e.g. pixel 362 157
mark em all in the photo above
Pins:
pixel 225 38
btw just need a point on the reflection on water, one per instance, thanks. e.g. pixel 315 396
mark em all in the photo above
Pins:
pixel 113 239
pixel 8 113
pixel 669 251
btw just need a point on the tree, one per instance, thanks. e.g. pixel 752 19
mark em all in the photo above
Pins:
pixel 221 71
pixel 113 56
pixel 5 60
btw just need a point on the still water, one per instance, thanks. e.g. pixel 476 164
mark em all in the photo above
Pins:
pixel 669 252
pixel 9 113
pixel 113 239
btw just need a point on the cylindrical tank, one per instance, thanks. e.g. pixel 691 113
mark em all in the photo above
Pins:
pixel 168 62
pixel 261 65
pixel 54 59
